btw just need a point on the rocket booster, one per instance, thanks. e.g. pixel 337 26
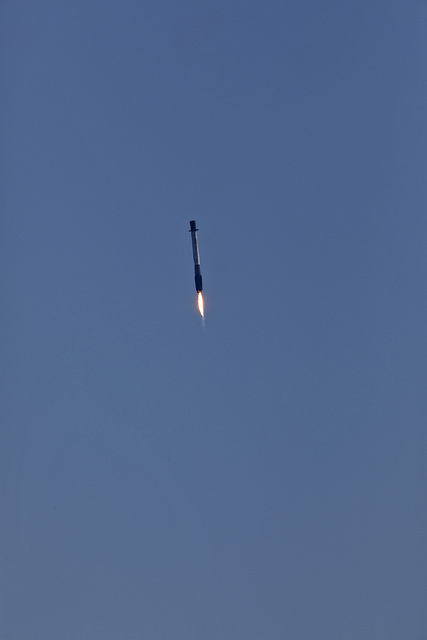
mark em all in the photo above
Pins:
pixel 196 257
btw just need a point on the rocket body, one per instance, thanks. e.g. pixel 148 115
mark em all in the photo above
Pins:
pixel 196 257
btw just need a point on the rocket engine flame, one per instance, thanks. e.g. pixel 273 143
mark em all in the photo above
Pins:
pixel 200 304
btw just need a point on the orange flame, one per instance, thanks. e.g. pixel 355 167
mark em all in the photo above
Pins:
pixel 201 305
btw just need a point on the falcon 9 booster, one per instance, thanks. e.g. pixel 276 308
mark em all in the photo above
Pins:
pixel 196 257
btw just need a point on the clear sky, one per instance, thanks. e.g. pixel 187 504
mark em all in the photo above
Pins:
pixel 263 477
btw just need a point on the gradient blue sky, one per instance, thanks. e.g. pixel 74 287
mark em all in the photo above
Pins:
pixel 264 477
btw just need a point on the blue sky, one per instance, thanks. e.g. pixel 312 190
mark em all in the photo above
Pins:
pixel 263 476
